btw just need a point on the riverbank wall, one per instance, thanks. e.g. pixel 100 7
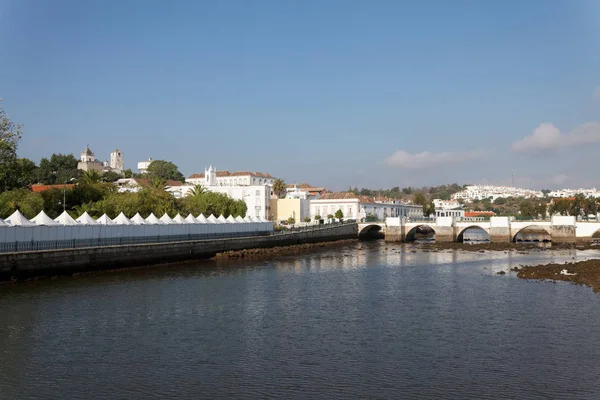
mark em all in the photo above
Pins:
pixel 34 264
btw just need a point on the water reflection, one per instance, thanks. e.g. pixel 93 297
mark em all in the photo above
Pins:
pixel 366 320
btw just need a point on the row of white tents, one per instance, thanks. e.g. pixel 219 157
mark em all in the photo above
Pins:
pixel 42 219
pixel 18 229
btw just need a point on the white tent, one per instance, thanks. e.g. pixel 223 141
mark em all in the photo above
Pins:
pixel 43 219
pixel 191 220
pixel 231 220
pixel 179 219
pixel 212 219
pixel 65 219
pixel 138 220
pixel 247 218
pixel 121 219
pixel 86 219
pixel 222 219
pixel 152 220
pixel 165 219
pixel 18 219
pixel 239 219
pixel 2 223
pixel 201 219
pixel 104 220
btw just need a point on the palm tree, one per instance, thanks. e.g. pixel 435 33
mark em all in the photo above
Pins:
pixel 279 187
pixel 157 183
pixel 197 190
pixel 90 177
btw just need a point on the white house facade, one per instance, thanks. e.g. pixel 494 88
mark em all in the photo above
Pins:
pixel 361 207
pixel 212 177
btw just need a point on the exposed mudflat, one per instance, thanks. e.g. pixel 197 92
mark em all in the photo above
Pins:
pixel 582 272
pixel 293 249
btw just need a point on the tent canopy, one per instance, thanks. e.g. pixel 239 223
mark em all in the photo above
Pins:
pixel 18 219
pixel 138 220
pixel 65 219
pixel 43 219
pixel 86 219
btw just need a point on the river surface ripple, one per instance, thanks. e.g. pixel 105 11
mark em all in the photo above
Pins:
pixel 367 320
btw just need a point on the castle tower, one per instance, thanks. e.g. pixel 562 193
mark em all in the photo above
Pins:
pixel 117 161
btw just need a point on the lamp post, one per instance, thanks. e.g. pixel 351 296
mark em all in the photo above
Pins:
pixel 64 201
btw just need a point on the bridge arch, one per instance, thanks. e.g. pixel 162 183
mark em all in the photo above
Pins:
pixel 371 231
pixel 533 229
pixel 411 235
pixel 460 237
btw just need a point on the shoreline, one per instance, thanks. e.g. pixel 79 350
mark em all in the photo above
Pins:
pixel 258 253
pixel 585 272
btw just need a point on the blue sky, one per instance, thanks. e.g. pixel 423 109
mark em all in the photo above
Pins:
pixel 335 93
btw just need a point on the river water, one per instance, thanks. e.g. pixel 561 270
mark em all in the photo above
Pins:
pixel 366 320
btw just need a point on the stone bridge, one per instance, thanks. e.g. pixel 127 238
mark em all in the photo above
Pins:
pixel 559 229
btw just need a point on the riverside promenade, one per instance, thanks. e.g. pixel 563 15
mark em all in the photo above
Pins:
pixel 24 265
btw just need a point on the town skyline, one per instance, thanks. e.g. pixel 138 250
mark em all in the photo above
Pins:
pixel 393 95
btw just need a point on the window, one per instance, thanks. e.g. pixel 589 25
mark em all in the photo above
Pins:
pixel 258 192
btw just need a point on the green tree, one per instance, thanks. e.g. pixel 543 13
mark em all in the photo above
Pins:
pixel 128 173
pixel 24 173
pixel 428 209
pixel 279 187
pixel 330 216
pixel 10 135
pixel 291 220
pixel 110 176
pixel 317 217
pixel 90 177
pixel 307 220
pixel 60 168
pixel 339 214
pixel 197 190
pixel 27 202
pixel 213 203
pixel 165 170
pixel 419 198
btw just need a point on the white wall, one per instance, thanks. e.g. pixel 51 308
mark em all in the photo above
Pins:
pixel 10 234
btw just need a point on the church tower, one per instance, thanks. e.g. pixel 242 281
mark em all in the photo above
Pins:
pixel 210 176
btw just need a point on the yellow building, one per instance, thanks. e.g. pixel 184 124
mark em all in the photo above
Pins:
pixel 282 209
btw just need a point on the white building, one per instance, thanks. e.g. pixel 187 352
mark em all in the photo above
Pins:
pixel 304 191
pixel 212 177
pixel 567 193
pixel 143 165
pixel 362 207
pixel 481 192
pixel 448 208
pixel 257 197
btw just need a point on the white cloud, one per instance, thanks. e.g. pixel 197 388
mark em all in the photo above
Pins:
pixel 403 159
pixel 548 137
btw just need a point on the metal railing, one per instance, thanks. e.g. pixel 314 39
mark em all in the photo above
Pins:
pixel 14 247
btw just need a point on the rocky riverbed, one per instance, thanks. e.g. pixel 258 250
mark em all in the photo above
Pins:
pixel 293 249
pixel 582 272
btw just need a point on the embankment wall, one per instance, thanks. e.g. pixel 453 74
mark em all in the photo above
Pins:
pixel 27 265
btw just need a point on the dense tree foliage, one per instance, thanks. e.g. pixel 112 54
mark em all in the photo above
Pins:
pixel 60 168
pixel 213 203
pixel 164 170
pixel 10 135
pixel 27 202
